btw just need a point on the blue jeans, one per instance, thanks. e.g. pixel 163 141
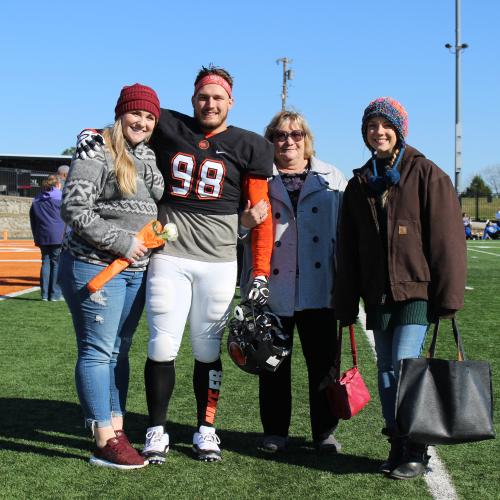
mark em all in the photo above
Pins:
pixel 48 274
pixel 393 345
pixel 104 325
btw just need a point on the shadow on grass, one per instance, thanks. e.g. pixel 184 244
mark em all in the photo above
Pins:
pixel 300 452
pixel 55 429
pixel 51 428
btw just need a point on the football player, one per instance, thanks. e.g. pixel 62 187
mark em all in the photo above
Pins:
pixel 209 168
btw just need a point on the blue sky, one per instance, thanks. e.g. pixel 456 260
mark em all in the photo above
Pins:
pixel 63 64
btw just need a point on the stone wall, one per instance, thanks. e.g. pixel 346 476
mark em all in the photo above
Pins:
pixel 14 217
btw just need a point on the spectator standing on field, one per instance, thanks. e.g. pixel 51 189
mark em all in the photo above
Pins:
pixel 48 228
pixel 394 255
pixel 467 226
pixel 107 200
pixel 306 196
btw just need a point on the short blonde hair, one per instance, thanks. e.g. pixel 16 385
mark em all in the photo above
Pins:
pixel 300 121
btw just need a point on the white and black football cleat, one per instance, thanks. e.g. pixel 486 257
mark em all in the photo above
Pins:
pixel 206 444
pixel 156 446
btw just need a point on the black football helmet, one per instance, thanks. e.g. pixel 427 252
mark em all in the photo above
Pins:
pixel 256 340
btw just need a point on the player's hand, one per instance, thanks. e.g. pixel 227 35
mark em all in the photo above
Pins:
pixel 88 141
pixel 253 216
pixel 259 291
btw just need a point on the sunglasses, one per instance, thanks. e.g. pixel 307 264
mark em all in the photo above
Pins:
pixel 296 135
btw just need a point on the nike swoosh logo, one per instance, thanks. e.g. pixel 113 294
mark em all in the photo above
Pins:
pixel 220 152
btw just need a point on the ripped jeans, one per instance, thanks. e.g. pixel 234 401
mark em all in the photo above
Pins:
pixel 104 328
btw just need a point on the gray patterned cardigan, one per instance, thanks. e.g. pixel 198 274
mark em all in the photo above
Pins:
pixel 103 220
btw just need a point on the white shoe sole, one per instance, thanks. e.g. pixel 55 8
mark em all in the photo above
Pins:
pixel 155 457
pixel 207 455
pixel 99 462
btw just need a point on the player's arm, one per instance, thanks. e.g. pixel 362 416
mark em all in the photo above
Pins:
pixel 256 190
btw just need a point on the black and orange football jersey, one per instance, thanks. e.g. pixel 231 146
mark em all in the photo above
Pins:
pixel 204 174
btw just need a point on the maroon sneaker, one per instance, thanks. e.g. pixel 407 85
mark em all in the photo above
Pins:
pixel 121 436
pixel 118 454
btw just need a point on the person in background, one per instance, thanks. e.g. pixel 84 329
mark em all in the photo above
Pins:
pixel 306 196
pixel 467 226
pixel 107 200
pixel 394 255
pixel 48 229
pixel 491 230
pixel 62 173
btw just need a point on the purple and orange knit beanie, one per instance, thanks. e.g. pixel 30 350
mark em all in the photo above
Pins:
pixel 390 109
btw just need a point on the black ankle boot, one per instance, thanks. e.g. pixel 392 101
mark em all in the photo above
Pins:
pixel 414 464
pixel 396 455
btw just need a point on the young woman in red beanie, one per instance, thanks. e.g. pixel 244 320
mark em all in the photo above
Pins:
pixel 107 199
pixel 393 254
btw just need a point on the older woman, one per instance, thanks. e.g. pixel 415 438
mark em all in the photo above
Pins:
pixel 306 196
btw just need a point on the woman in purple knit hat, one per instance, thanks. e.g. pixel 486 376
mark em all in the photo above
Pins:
pixel 393 255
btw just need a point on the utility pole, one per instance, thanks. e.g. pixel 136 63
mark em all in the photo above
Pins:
pixel 287 75
pixel 457 49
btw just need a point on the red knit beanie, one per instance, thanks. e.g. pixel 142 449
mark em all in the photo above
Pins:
pixel 138 97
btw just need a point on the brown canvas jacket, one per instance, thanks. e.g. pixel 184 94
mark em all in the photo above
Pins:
pixel 426 256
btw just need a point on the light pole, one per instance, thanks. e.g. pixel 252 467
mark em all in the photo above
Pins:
pixel 287 75
pixel 457 49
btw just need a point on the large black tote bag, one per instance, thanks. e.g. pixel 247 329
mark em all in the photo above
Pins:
pixel 445 401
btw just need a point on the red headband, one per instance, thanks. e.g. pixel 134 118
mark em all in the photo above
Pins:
pixel 213 79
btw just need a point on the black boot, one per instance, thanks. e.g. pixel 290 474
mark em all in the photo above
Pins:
pixel 396 455
pixel 414 464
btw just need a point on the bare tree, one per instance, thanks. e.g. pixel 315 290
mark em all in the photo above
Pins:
pixel 491 175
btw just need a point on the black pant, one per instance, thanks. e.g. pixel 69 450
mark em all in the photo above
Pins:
pixel 317 333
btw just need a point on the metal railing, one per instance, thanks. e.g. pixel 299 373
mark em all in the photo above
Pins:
pixel 480 207
pixel 19 182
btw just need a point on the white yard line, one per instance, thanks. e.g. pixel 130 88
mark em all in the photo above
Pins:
pixel 482 251
pixel 19 260
pixel 437 478
pixel 21 292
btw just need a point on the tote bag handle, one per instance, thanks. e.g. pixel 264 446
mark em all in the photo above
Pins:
pixel 457 337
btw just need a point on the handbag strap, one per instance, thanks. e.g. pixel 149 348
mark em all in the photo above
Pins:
pixel 456 336
pixel 354 351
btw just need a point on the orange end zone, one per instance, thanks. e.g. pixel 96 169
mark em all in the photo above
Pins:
pixel 19 265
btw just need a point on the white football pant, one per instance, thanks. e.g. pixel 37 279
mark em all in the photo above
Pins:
pixel 180 289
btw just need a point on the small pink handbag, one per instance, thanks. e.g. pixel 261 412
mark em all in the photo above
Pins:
pixel 346 393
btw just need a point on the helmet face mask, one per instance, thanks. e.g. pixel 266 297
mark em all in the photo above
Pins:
pixel 256 340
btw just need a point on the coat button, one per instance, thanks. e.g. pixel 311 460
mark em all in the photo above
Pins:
pixel 314 210
pixel 316 239
pixel 277 215
pixel 317 265
pixel 278 243
pixel 276 271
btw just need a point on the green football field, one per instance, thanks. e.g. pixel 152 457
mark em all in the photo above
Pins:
pixel 44 448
